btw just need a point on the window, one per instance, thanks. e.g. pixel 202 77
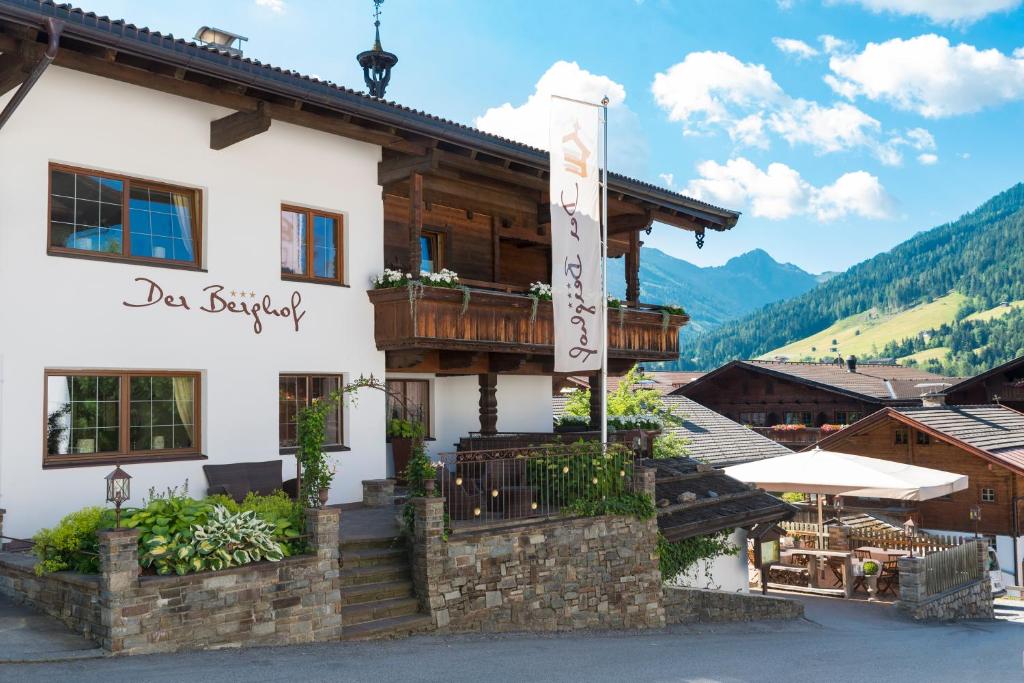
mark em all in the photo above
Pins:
pixel 312 245
pixel 988 495
pixel 120 416
pixel 799 418
pixel 902 436
pixel 846 417
pixel 122 218
pixel 753 419
pixel 295 392
pixel 431 251
pixel 923 439
pixel 409 399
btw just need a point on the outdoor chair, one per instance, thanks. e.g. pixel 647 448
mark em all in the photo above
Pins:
pixel 889 579
pixel 835 565
pixel 862 554
pixel 237 479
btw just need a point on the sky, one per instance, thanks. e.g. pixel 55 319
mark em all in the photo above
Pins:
pixel 838 127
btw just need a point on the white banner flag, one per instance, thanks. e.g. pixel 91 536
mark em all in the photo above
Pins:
pixel 576 286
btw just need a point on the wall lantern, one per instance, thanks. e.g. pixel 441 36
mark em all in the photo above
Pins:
pixel 119 489
pixel 975 514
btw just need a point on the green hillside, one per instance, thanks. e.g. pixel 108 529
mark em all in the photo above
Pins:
pixel 867 335
pixel 905 291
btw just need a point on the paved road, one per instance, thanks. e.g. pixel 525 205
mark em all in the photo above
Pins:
pixel 839 642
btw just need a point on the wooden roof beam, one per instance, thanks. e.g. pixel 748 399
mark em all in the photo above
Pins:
pixel 629 223
pixel 237 127
pixel 399 169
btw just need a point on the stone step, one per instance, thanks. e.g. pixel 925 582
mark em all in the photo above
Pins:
pixel 355 576
pixel 392 627
pixel 378 609
pixel 361 543
pixel 370 592
pixel 370 557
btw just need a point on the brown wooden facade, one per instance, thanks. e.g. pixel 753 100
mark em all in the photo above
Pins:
pixel 898 441
pixel 743 393
pixel 1003 384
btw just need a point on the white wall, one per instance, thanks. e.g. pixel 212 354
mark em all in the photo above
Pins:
pixel 68 313
pixel 524 404
pixel 727 572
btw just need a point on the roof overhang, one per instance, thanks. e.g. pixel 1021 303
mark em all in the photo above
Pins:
pixel 114 49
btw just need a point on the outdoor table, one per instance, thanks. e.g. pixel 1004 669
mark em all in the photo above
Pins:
pixel 883 554
pixel 814 557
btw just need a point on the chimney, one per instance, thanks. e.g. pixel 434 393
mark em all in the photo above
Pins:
pixel 851 364
pixel 933 399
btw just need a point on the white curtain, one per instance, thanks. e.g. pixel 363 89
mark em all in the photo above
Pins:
pixel 184 403
pixel 183 207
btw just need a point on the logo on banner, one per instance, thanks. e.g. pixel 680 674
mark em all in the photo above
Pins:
pixel 575 237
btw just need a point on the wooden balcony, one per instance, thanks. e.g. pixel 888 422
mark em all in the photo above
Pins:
pixel 435 318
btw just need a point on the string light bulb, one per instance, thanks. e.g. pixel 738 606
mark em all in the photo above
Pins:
pixel 458 481
pixel 533 505
pixel 565 470
pixel 494 493
pixel 476 512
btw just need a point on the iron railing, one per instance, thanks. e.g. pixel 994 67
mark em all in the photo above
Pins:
pixel 498 485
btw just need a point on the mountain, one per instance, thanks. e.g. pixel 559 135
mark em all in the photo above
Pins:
pixel 979 257
pixel 712 295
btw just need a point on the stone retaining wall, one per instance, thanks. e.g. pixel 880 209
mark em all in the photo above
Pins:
pixel 296 600
pixel 557 575
pixel 697 605
pixel 969 601
pixel 72 598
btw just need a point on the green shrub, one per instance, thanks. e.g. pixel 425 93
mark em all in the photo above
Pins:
pixel 628 504
pixel 582 470
pixel 276 508
pixel 670 445
pixel 73 543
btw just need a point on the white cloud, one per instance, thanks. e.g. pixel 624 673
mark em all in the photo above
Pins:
pixel 940 11
pixel 275 6
pixel 528 122
pixel 964 155
pixel 929 76
pixel 779 192
pixel 785 4
pixel 927 159
pixel 710 91
pixel 797 48
pixel 832 45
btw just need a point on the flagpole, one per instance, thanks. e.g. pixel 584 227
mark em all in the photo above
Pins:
pixel 604 275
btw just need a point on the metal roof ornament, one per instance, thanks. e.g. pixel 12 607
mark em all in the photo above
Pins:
pixel 377 62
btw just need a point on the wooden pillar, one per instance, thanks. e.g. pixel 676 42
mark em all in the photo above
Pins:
pixel 488 403
pixel 495 251
pixel 633 268
pixel 595 401
pixel 415 223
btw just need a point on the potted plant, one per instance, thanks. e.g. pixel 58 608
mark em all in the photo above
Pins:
pixel 403 435
pixel 871 569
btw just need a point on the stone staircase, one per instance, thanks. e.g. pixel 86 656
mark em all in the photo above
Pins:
pixel 377 595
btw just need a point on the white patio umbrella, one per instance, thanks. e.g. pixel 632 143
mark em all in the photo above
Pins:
pixel 842 474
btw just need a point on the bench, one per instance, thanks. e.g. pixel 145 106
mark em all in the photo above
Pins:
pixel 237 479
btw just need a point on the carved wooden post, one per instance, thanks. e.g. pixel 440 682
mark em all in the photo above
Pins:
pixel 595 401
pixel 489 403
pixel 633 268
pixel 415 223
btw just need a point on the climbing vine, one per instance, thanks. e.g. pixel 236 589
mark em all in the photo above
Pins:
pixel 678 557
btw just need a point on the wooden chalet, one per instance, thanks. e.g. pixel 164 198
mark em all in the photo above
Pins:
pixel 792 402
pixel 984 442
pixel 1003 384
pixel 453 197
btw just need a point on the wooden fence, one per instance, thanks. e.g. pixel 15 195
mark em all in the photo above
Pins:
pixel 953 567
pixel 919 544
pixel 810 535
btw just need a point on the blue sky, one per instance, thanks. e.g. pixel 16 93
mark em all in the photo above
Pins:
pixel 886 118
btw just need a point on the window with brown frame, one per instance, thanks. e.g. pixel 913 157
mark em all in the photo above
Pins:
pixel 409 399
pixel 312 245
pixel 127 219
pixel 295 392
pixel 432 251
pixel 109 416
pixel 923 439
pixel 988 495
pixel 901 436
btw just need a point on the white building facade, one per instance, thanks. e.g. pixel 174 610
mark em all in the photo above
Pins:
pixel 81 317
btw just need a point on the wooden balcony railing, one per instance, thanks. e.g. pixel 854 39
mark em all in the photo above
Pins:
pixel 506 322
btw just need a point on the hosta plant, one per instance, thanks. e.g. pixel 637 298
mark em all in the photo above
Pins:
pixel 229 540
